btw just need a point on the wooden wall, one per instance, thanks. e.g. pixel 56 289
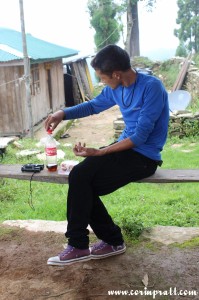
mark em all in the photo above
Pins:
pixel 41 103
pixel 57 78
pixel 14 115
pixel 11 116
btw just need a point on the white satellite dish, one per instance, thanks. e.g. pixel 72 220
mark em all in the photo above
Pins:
pixel 179 100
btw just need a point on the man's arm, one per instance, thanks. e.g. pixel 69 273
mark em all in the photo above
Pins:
pixel 100 103
pixel 82 150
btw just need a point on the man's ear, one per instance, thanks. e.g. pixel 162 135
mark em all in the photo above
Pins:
pixel 116 75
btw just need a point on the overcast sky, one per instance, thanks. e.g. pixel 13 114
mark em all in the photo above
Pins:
pixel 66 23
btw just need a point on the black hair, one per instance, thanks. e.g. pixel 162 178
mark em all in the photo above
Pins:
pixel 111 58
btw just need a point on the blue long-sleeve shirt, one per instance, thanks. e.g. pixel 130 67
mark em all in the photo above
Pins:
pixel 144 108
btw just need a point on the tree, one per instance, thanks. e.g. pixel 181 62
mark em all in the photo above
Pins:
pixel 106 20
pixel 103 20
pixel 132 44
pixel 188 19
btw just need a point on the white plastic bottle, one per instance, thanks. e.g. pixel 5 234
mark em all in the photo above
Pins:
pixel 51 152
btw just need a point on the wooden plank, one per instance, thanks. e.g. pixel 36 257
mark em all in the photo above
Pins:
pixel 77 74
pixel 173 176
pixel 2 101
pixel 88 77
pixel 181 76
pixel 84 79
pixel 161 175
pixel 14 172
pixel 12 106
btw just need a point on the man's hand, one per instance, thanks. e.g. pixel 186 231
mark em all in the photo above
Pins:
pixel 54 119
pixel 82 150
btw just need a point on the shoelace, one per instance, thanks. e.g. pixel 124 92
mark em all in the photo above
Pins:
pixel 99 245
pixel 66 251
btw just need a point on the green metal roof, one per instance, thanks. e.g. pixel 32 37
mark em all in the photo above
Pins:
pixel 5 56
pixel 11 48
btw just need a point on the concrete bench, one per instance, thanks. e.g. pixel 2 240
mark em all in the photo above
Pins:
pixel 161 175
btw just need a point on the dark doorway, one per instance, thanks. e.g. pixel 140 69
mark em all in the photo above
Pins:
pixel 68 87
pixel 49 88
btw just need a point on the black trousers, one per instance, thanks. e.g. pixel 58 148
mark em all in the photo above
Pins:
pixel 94 177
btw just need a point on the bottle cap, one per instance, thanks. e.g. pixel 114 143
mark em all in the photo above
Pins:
pixel 49 131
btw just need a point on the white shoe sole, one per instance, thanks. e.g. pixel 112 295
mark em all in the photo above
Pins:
pixel 69 262
pixel 108 254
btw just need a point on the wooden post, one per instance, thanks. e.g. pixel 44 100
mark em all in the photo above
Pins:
pixel 183 71
pixel 26 68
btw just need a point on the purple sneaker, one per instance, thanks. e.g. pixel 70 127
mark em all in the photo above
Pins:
pixel 103 250
pixel 69 256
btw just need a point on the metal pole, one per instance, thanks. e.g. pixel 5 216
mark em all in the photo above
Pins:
pixel 26 68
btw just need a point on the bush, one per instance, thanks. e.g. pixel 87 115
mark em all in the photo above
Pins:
pixel 142 62
pixel 196 59
pixel 132 227
pixel 181 50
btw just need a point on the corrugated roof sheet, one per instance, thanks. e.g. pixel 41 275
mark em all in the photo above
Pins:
pixel 37 49
pixel 5 56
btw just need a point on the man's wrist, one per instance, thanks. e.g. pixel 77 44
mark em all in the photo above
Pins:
pixel 64 114
pixel 102 151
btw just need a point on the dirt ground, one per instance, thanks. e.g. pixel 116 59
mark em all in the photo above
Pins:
pixel 24 274
pixel 96 130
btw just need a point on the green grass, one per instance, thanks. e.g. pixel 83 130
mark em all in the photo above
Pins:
pixel 169 72
pixel 137 205
pixel 193 243
pixel 48 200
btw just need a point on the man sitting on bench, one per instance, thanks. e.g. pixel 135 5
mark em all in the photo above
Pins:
pixel 143 102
